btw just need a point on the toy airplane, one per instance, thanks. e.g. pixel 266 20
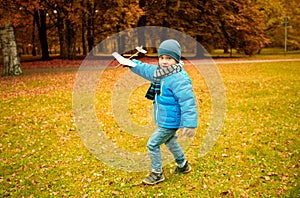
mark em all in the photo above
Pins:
pixel 124 61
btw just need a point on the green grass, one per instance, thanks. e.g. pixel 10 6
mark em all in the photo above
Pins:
pixel 257 154
pixel 266 53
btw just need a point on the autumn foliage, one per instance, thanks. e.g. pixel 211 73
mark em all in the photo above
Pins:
pixel 71 27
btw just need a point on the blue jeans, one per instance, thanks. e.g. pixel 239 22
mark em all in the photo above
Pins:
pixel 169 138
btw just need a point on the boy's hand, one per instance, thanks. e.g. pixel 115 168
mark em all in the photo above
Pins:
pixel 188 132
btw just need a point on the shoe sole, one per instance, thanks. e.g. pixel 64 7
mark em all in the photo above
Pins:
pixel 156 182
pixel 187 171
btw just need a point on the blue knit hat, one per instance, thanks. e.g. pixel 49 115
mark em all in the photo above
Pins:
pixel 171 48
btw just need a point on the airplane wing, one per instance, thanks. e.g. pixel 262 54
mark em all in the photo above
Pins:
pixel 140 49
pixel 123 60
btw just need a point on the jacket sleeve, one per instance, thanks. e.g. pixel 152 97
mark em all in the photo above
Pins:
pixel 144 70
pixel 183 92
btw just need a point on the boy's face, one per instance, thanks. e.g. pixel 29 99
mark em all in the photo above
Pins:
pixel 166 61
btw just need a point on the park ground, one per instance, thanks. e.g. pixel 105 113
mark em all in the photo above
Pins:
pixel 256 155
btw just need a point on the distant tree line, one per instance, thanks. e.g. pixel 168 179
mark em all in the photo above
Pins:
pixel 71 27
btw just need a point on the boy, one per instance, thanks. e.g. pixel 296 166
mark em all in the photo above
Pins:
pixel 174 107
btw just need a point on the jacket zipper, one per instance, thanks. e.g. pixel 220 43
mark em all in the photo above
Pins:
pixel 162 84
pixel 156 113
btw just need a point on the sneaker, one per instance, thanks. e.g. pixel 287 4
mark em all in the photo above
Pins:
pixel 154 178
pixel 185 169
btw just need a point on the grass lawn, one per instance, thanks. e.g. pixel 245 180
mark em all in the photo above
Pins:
pixel 257 154
pixel 266 53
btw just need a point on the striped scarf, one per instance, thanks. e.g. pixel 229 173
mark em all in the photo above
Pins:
pixel 159 74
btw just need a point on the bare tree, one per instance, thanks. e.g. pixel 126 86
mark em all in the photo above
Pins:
pixel 11 59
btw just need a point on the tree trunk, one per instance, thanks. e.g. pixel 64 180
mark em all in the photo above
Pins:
pixel 33 52
pixel 83 29
pixel 90 26
pixel 200 51
pixel 67 38
pixel 71 39
pixel 42 28
pixel 40 21
pixel 83 36
pixel 90 36
pixel 11 60
pixel 63 51
pixel 142 33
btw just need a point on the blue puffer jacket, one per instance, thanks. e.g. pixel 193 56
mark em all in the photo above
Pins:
pixel 175 107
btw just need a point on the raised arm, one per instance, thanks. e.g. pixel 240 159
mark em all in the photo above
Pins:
pixel 144 70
